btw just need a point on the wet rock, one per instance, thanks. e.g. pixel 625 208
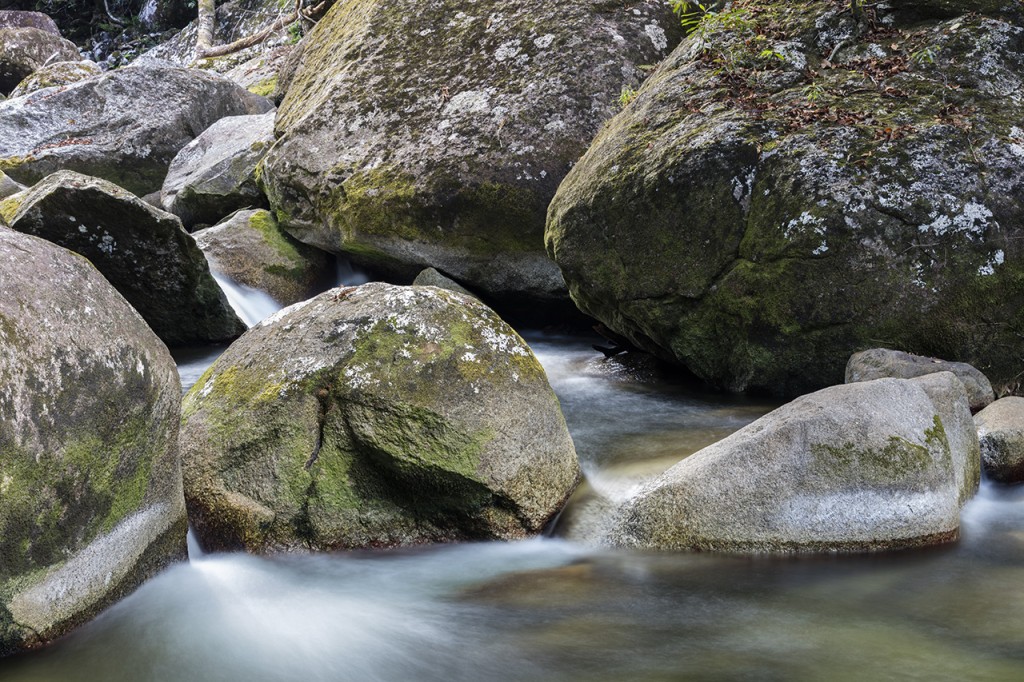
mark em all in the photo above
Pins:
pixel 124 126
pixel 215 174
pixel 53 75
pixel 877 363
pixel 760 239
pixel 251 249
pixel 430 277
pixel 1001 433
pixel 90 482
pixel 374 416
pixel 457 123
pixel 866 466
pixel 25 50
pixel 141 250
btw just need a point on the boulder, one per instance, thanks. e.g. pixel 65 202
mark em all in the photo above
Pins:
pixel 24 50
pixel 877 363
pixel 374 416
pixel 791 211
pixel 19 19
pixel 215 174
pixel 1001 434
pixel 124 126
pixel 416 134
pixel 142 251
pixel 259 74
pixel 53 75
pixel 430 277
pixel 251 249
pixel 867 466
pixel 8 186
pixel 90 481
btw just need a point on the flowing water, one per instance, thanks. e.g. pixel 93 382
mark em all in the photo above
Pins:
pixel 560 608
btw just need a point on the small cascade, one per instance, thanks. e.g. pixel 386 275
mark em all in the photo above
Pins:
pixel 252 305
pixel 147 15
pixel 349 275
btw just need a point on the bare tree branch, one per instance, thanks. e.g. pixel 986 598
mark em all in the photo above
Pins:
pixel 207 10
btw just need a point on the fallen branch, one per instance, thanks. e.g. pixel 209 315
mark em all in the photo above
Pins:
pixel 204 40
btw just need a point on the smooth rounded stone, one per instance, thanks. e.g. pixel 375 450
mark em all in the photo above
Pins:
pixel 374 416
pixel 144 252
pixel 868 466
pixel 251 249
pixel 53 75
pixel 215 174
pixel 761 242
pixel 20 19
pixel 124 126
pixel 430 277
pixel 25 50
pixel 420 135
pixel 1001 434
pixel 91 501
pixel 877 363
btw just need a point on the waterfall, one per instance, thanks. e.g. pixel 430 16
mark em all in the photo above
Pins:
pixel 252 305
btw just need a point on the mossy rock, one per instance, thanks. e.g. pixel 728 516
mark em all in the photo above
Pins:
pixel 90 483
pixel 762 219
pixel 24 50
pixel 374 416
pixel 55 75
pixel 420 134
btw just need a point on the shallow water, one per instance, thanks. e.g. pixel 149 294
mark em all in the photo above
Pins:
pixel 558 609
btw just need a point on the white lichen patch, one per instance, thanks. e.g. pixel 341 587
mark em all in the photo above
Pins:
pixel 508 50
pixel 989 268
pixel 657 36
pixel 973 219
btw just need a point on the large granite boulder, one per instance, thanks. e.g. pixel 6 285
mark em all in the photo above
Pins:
pixel 374 416
pixel 875 465
pixel 90 480
pixel 251 249
pixel 124 126
pixel 215 174
pixel 1001 434
pixel 20 19
pixel 422 134
pixel 825 189
pixel 24 50
pixel 877 363
pixel 59 73
pixel 144 252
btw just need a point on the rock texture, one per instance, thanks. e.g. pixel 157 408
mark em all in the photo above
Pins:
pixel 430 277
pixel 1001 433
pixel 124 126
pixel 53 75
pixel 141 250
pixel 90 481
pixel 867 466
pixel 421 134
pixel 251 249
pixel 760 221
pixel 24 50
pixel 374 416
pixel 18 19
pixel 877 363
pixel 215 174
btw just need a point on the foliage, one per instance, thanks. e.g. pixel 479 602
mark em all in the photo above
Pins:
pixel 627 95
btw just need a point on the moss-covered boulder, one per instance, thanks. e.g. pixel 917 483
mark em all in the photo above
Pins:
pixel 806 186
pixel 251 249
pixel 124 126
pixel 420 134
pixel 877 363
pixel 215 174
pixel 374 416
pixel 24 50
pixel 144 252
pixel 21 19
pixel 1001 433
pixel 868 466
pixel 90 481
pixel 53 75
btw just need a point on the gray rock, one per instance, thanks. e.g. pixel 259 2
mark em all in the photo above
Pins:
pixel 867 466
pixel 430 277
pixel 877 363
pixel 25 50
pixel 251 249
pixel 374 416
pixel 259 74
pixel 144 252
pixel 8 186
pixel 215 174
pixel 53 75
pixel 124 126
pixel 1001 433
pixel 90 482
pixel 18 19
pixel 443 142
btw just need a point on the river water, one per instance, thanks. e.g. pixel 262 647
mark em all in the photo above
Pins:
pixel 562 608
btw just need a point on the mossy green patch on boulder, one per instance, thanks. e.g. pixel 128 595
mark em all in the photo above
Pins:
pixel 374 416
pixel 54 75
pixel 23 50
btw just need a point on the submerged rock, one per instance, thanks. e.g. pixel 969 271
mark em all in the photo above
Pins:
pixel 25 50
pixel 760 222
pixel 52 75
pixel 874 465
pixel 90 481
pixel 1001 433
pixel 124 126
pixel 422 134
pixel 374 416
pixel 251 249
pixel 877 363
pixel 141 250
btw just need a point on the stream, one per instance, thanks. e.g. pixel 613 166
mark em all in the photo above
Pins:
pixel 562 608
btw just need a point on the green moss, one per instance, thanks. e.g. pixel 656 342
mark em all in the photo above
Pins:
pixel 9 206
pixel 266 87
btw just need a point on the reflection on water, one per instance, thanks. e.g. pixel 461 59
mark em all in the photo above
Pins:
pixel 555 609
